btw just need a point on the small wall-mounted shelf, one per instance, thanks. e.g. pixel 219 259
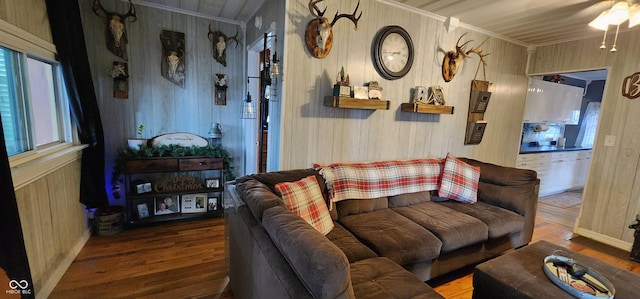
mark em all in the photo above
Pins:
pixel 426 108
pixel 352 103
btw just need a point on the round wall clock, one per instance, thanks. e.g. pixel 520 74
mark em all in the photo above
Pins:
pixel 392 52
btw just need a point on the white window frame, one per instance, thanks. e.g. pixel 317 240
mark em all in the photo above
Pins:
pixel 33 164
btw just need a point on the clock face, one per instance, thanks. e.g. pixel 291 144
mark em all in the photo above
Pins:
pixel 392 52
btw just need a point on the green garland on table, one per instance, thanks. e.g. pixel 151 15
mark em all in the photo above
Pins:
pixel 171 150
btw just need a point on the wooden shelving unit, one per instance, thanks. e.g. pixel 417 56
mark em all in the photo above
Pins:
pixel 172 177
pixel 353 103
pixel 426 108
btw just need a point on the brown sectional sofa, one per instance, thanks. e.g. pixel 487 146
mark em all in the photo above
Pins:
pixel 379 248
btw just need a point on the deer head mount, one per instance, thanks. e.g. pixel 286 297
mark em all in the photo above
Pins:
pixel 453 59
pixel 173 64
pixel 319 36
pixel 115 32
pixel 219 43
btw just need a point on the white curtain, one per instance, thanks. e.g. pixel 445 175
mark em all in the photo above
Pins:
pixel 587 132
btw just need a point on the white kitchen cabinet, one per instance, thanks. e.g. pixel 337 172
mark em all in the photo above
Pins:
pixel 557 171
pixel 549 102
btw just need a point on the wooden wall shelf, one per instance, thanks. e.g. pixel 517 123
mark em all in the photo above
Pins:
pixel 352 103
pixel 426 108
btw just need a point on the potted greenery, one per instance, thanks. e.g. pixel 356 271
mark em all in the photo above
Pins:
pixel 136 143
pixel 171 150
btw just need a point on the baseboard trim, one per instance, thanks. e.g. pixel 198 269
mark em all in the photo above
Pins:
pixel 63 266
pixel 604 239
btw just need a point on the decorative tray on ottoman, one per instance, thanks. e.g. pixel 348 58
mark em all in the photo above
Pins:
pixel 576 278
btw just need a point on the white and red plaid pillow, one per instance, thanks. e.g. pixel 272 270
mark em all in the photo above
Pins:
pixel 459 181
pixel 304 198
pixel 380 179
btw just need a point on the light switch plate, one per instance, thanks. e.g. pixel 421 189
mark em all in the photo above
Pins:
pixel 609 140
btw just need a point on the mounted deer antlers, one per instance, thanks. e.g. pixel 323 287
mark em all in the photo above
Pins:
pixel 453 59
pixel 319 36
pixel 115 32
pixel 219 43
pixel 173 64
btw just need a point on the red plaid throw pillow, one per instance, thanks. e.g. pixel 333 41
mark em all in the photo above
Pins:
pixel 304 199
pixel 459 181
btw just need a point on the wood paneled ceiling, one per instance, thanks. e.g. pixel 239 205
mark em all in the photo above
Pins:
pixel 528 22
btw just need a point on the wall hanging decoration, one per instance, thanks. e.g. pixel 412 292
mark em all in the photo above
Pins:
pixel 173 64
pixel 478 103
pixel 219 42
pixel 115 31
pixel 631 86
pixel 453 59
pixel 221 89
pixel 120 74
pixel 319 36
pixel 392 52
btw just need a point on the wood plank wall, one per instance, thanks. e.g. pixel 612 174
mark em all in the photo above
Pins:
pixel 312 132
pixel 160 105
pixel 53 219
pixel 29 15
pixel 612 192
pixel 53 223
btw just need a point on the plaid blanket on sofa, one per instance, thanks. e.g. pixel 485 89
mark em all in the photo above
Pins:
pixel 380 179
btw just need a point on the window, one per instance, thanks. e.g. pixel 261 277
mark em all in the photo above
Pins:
pixel 32 103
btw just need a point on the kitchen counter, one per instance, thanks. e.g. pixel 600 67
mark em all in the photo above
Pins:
pixel 549 148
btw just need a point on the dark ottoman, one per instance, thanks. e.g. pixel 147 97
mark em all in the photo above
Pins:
pixel 519 274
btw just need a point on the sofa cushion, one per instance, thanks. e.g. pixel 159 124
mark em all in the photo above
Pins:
pixel 257 196
pixel 270 179
pixel 391 235
pixel 349 244
pixel 320 264
pixel 453 228
pixel 408 199
pixel 358 206
pixel 500 222
pixel 459 180
pixel 382 278
pixel 304 199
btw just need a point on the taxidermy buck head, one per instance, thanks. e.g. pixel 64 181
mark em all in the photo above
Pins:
pixel 453 59
pixel 115 31
pixel 319 34
pixel 219 43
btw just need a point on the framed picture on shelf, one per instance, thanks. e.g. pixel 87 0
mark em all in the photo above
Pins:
pixel 212 204
pixel 166 205
pixel 143 210
pixel 194 203
pixel 212 183
pixel 143 187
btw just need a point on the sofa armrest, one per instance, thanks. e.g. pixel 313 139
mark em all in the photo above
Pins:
pixel 510 188
pixel 321 265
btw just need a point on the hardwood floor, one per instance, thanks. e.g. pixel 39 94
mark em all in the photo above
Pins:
pixel 187 260
pixel 563 216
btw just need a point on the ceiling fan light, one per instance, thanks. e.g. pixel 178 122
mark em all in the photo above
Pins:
pixel 619 13
pixel 634 15
pixel 601 22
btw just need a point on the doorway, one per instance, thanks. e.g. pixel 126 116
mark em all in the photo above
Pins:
pixel 558 203
pixel 258 89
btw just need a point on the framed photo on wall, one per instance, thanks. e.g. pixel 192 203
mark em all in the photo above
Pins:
pixel 194 203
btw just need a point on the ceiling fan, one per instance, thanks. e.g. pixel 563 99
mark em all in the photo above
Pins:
pixel 614 13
